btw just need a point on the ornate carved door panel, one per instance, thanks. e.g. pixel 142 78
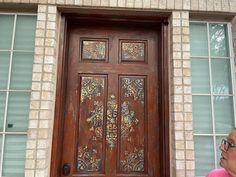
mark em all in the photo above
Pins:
pixel 111 119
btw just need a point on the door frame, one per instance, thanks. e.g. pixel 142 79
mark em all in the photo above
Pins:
pixel 163 77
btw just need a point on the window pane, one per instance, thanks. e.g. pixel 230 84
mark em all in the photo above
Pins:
pixel 200 76
pixel 202 118
pixel 224 114
pixel 198 39
pixel 0 146
pixel 6 29
pixel 218 151
pixel 25 32
pixel 14 155
pixel 219 40
pixel 22 64
pixel 204 155
pixel 2 108
pixel 18 111
pixel 4 68
pixel 221 76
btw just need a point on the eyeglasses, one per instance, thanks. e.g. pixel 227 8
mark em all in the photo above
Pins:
pixel 226 144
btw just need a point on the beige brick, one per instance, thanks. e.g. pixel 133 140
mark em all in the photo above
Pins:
pixel 185 30
pixel 49 59
pixel 190 165
pixel 29 173
pixel 187 89
pixel 185 39
pixel 47 87
pixel 30 164
pixel 188 107
pixel 178 116
pixel 30 154
pixel 179 155
pixel 51 33
pixel 177 55
pixel 35 95
pixel 51 1
pixel 69 2
pixel 39 41
pixel 32 133
pixel 176 15
pixel 180 173
pixel 176 30
pixel 188 135
pixel 188 98
pixel 36 77
pixel 138 3
pixel 188 115
pixel 189 145
pixel 40 173
pixel 178 81
pixel 178 89
pixel 186 55
pixel 42 8
pixel 39 50
pixel 176 38
pixel 41 17
pixel 96 2
pixel 104 2
pixel 33 114
pixel 232 5
pixel 38 59
pixel 37 68
pixel 52 17
pixel 146 3
pixel 190 173
pixel 40 164
pixel 162 4
pixel 40 33
pixel 217 5
pixel 49 51
pixel 188 126
pixel 186 4
pixel 46 105
pixel 176 22
pixel 42 133
pixel 178 98
pixel 36 86
pixel 180 164
pixel 44 124
pixel 177 63
pixel 190 156
pixel 154 3
pixel 202 5
pixel 113 3
pixel 41 154
pixel 178 4
pixel 48 68
pixel 34 105
pixel 179 135
pixel 194 5
pixel 179 126
pixel 130 3
pixel 78 2
pixel 60 1
pixel 178 72
pixel 170 4
pixel 31 144
pixel 52 9
pixel 186 64
pixel 42 144
pixel 186 72
pixel 178 107
pixel 225 5
pixel 210 5
pixel 187 80
pixel 45 114
pixel 185 22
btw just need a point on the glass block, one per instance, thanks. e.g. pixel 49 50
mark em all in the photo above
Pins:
pixel 21 77
pixel 25 32
pixel 200 76
pixel 221 76
pixel 18 112
pixel 2 108
pixel 198 39
pixel 4 69
pixel 94 50
pixel 14 155
pixel 219 40
pixel 132 51
pixel 204 155
pixel 202 116
pixel 6 30
pixel 224 114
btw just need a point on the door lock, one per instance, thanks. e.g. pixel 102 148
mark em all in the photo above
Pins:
pixel 66 169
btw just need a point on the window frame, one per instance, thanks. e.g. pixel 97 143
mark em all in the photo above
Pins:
pixel 7 90
pixel 231 57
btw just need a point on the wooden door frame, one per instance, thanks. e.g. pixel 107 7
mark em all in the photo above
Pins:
pixel 163 76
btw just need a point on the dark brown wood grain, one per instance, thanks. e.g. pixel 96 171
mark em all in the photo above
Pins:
pixel 71 128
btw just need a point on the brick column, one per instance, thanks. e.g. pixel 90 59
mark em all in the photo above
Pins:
pixel 181 98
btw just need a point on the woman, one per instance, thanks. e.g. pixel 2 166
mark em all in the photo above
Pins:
pixel 228 158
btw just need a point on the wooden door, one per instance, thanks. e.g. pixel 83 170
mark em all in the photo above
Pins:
pixel 111 124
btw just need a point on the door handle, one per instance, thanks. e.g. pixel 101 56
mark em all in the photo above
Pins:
pixel 66 169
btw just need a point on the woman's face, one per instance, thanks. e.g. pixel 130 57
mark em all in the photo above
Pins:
pixel 228 158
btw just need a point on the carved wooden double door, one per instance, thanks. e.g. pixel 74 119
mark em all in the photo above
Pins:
pixel 111 117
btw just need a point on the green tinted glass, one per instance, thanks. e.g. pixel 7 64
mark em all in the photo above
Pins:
pixel 4 68
pixel 14 155
pixel 219 40
pixel 18 111
pixel 200 76
pixel 198 39
pixel 6 30
pixel 204 155
pixel 21 77
pixel 202 117
pixel 224 114
pixel 221 76
pixel 25 33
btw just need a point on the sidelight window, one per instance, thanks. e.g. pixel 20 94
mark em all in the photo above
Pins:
pixel 212 89
pixel 17 34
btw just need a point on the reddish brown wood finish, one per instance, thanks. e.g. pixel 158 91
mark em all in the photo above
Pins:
pixel 156 105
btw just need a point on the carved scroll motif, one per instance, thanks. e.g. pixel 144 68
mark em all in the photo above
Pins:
pixel 91 86
pixel 134 161
pixel 111 135
pixel 87 159
pixel 128 120
pixel 96 120
pixel 134 88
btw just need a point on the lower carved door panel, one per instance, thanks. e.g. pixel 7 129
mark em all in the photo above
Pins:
pixel 111 118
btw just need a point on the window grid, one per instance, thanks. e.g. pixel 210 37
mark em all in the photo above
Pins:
pixel 7 91
pixel 211 94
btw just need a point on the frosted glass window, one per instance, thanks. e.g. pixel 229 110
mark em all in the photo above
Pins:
pixel 198 39
pixel 6 30
pixel 224 114
pixel 17 36
pixel 25 32
pixel 22 64
pixel 202 121
pixel 200 80
pixel 219 40
pixel 221 76
pixel 2 109
pixel 18 111
pixel 204 155
pixel 14 155
pixel 4 69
